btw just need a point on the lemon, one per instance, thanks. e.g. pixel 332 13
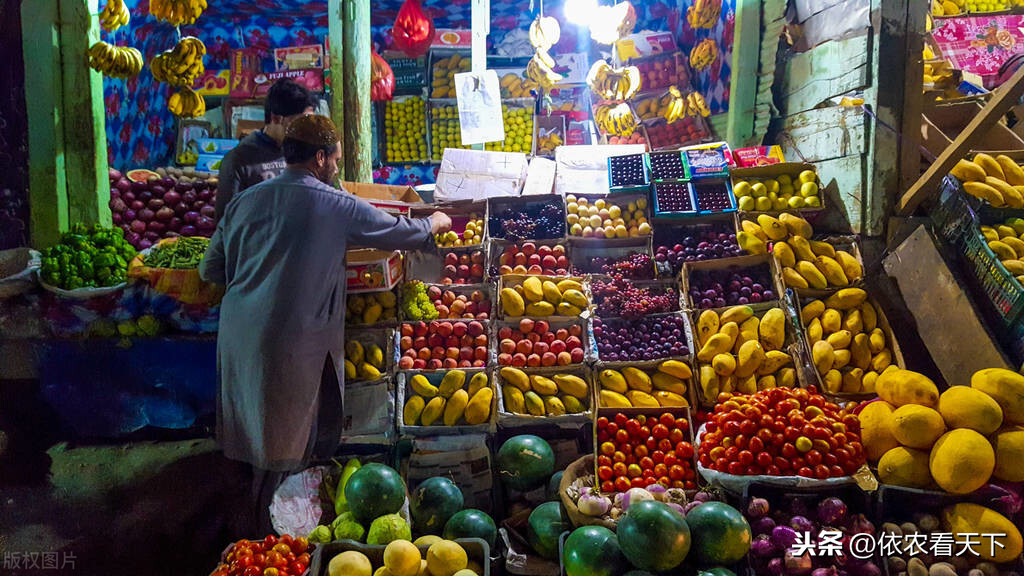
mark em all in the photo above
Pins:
pixel 402 558
pixel 350 563
pixel 445 558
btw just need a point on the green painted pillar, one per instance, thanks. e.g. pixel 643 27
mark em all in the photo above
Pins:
pixel 356 48
pixel 743 79
pixel 336 40
pixel 85 134
pixel 48 200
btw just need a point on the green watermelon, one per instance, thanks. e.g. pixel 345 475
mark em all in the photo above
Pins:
pixel 721 534
pixel 716 571
pixel 373 491
pixel 525 462
pixel 546 524
pixel 554 486
pixel 432 503
pixel 653 536
pixel 471 523
pixel 593 551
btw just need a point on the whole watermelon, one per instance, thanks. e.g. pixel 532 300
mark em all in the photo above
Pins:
pixel 471 523
pixel 653 536
pixel 721 535
pixel 554 486
pixel 525 462
pixel 545 526
pixel 373 491
pixel 432 503
pixel 593 551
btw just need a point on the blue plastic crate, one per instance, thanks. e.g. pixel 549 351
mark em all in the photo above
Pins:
pixel 640 183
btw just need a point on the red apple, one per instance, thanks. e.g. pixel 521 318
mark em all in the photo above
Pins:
pixel 533 260
pixel 558 346
pixel 480 353
pixel 420 342
pixel 529 248
pixel 435 340
pixel 467 340
pixel 405 363
pixel 466 353
pixel 481 340
pixel 548 337
pixel 535 270
pixel 407 330
pixel 519 360
pixel 451 342
pixel 573 342
pixel 451 259
pixel 479 363
pixel 577 355
pixel 562 334
pixel 435 364
pixel 405 343
pixel 475 328
pixel 465 364
pixel 504 332
pixel 420 329
pixel 533 337
pixel 544 251
pixel 540 327
pixel 450 363
pixel 564 359
pixel 524 347
pixel 459 328
pixel 575 330
pixel 507 345
pixel 526 325
pixel 540 348
pixel 549 261
pixel 504 359
pixel 433 292
pixel 419 364
pixel 451 352
pixel 442 310
pixel 437 352
pixel 533 360
pixel 548 359
pixel 423 354
pixel 558 250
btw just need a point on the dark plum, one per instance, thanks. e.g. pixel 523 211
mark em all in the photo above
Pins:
pixel 673 197
pixel 628 170
pixel 638 339
pixel 667 166
pixel 729 287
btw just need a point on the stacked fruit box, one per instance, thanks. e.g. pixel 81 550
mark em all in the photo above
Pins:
pixel 777 188
pixel 522 218
pixel 600 218
pixel 517 116
pixel 457 401
pixel 629 173
pixel 676 242
pixel 539 257
pixel 405 130
pixel 369 387
pixel 637 447
pixel 631 255
pixel 444 127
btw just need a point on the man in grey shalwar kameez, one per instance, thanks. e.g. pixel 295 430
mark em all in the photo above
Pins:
pixel 279 250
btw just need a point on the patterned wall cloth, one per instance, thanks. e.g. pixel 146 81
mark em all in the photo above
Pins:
pixel 141 132
pixel 980 43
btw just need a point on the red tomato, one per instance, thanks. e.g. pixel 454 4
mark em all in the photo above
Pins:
pixel 791 433
pixel 773 470
pixel 651 444
pixel 741 441
pixel 676 435
pixel 618 456
pixel 705 460
pixel 798 462
pixel 736 468
pixel 813 457
pixel 659 431
pixel 658 456
pixel 684 450
pixel 789 450
pixel 626 448
pixel 644 432
pixel 667 419
pixel 632 427
pixel 764 459
pixel 660 470
pixel 683 424
pixel 641 451
pixel 602 436
pixel 646 463
pixel 269 541
pixel 665 481
pixel 639 483
pixel 678 484
pixel 745 457
pixel 665 445
pixel 603 460
pixel 805 472
pixel 748 427
pixel 630 459
pixel 821 471
pixel 244 561
pixel 690 485
pixel 622 436
pixel 607 448
pixel 830 460
pixel 297 568
pixel 731 428
pixel 711 426
pixel 612 429
pixel 622 484
pixel 621 419
pixel 252 571
pixel 676 472
pixel 649 476
pixel 608 486
pixel 756 445
pixel 778 425
pixel 722 464
pixel 602 423
pixel 604 472
pixel 619 469
pixel 259 559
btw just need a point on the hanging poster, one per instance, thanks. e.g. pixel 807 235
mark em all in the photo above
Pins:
pixel 479 100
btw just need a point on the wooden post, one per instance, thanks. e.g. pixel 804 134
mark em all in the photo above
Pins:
pixel 336 36
pixel 43 88
pixel 1002 100
pixel 743 80
pixel 358 109
pixel 913 103
pixel 85 135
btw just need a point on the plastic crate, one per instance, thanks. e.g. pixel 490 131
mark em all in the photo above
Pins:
pixel 476 549
pixel 958 224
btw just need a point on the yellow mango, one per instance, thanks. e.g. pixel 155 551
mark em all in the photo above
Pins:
pixel 831 270
pixel 737 314
pixel 676 368
pixel 812 310
pixel 477 383
pixel 637 379
pixel 543 385
pixel 860 353
pixel 513 399
pixel 966 407
pixel 815 279
pixel 455 407
pixel 433 410
pixel 667 399
pixel 534 404
pixel 852 321
pixel 641 399
pixel 820 248
pixel 1006 388
pixel 611 399
pixel 709 384
pixel 962 461
pixel 751 244
pixel 567 284
pixel 749 359
pixel 966 519
pixel 746 385
pixel 901 387
pixel 823 356
pixel 851 267
pixel 773 228
pixel 989 165
pixel 846 298
pixel 515 377
pixel 576 298
pixel 368 371
pixel 853 381
pixel 882 360
pixel 793 279
pixel 766 382
pixel 724 364
pixel 717 344
pixel 668 383
pixel 905 467
pixel 613 380
pixel 478 410
pixel 772 329
pixel 773 361
pixel 422 386
pixel 876 341
pixel 564 309
pixel 840 359
pixel 840 339
pixel 876 429
pixel 412 410
pixel 831 321
pixel 796 225
pixel 551 292
pixel 784 254
pixel 832 382
pixel 786 377
pixel 452 381
pixel 571 385
pixel 801 247
pixel 917 426
pixel 540 309
pixel 867 384
pixel 553 406
pixel 533 289
pixel 573 405
pixel 753 229
pixel 1008 444
pixel 350 370
pixel 814 332
pixel 868 316
pixel 512 303
pixel 707 326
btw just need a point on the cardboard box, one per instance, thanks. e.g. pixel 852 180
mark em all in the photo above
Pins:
pixel 299 57
pixel 644 44
pixel 209 163
pixel 476 174
pixel 450 38
pixel 383 193
pixel 372 270
pixel 251 83
pixel 540 177
pixel 584 169
pixel 708 160
pixel 213 83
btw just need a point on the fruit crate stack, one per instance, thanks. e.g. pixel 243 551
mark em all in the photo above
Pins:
pixel 369 384
pixel 777 188
pixel 677 242
pixel 692 182
pixel 608 220
pixel 456 401
pixel 517 116
pixel 444 127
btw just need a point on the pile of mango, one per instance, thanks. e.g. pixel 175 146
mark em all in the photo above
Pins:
pixel 805 263
pixel 1007 242
pixel 372 308
pixel 543 395
pixel 444 72
pixel 848 346
pixel 453 402
pixel 742 352
pixel 998 181
pixel 631 387
pixel 538 297
pixel 363 362
pixel 956 440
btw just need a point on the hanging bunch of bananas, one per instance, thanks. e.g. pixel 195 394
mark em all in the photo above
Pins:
pixel 181 65
pixel 696 106
pixel 611 23
pixel 115 61
pixel 703 54
pixel 676 106
pixel 114 15
pixel 544 34
pixel 704 13
pixel 187 103
pixel 615 119
pixel 613 83
pixel 177 12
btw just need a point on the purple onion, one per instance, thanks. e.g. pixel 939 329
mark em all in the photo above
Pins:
pixel 703 497
pixel 151 236
pixel 114 193
pixel 124 185
pixel 139 187
pixel 158 191
pixel 206 223
pixel 205 195
pixel 145 195
pixel 801 524
pixel 172 198
pixel 757 508
pixel 168 182
pixel 182 186
pixel 165 214
pixel 128 197
pixel 188 230
pixel 1005 497
pixel 198 205
pixel 776 567
pixel 831 511
pixel 146 214
pixel 156 226
pixel 797 565
pixel 137 205
pixel 144 243
pixel 138 226
pixel 859 524
pixel 830 571
pixel 175 224
pixel 762 546
pixel 133 238
pixel 155 204
pixel 763 525
pixel 113 174
pixel 180 209
pixel 784 537
pixel 189 197
pixel 209 211
pixel 117 205
pixel 129 215
pixel 116 218
pixel 191 218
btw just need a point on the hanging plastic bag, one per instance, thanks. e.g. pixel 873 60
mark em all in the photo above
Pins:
pixel 382 85
pixel 413 30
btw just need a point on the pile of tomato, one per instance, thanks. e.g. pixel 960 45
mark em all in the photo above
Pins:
pixel 781 432
pixel 643 450
pixel 272 556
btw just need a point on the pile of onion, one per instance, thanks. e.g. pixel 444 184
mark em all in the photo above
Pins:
pixel 161 208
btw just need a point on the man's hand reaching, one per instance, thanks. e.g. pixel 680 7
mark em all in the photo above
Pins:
pixel 439 223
